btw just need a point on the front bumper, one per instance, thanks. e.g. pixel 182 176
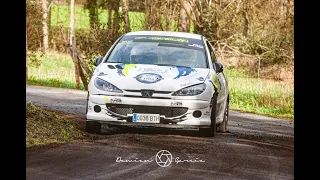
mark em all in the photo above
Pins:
pixel 119 110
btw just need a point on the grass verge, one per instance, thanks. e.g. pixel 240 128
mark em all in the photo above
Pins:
pixel 45 127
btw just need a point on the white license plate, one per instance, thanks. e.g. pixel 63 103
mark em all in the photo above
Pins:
pixel 146 118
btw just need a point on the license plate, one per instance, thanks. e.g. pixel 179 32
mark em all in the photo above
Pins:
pixel 146 118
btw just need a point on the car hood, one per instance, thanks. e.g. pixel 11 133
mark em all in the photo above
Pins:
pixel 142 76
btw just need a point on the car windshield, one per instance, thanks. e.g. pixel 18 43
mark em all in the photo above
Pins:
pixel 159 50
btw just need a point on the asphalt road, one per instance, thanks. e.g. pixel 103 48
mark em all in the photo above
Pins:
pixel 257 147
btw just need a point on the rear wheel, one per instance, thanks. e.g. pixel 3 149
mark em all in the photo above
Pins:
pixel 212 130
pixel 222 127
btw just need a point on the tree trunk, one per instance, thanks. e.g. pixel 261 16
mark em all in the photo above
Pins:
pixel 109 23
pixel 245 23
pixel 49 25
pixel 26 58
pixel 125 8
pixel 184 22
pixel 152 15
pixel 72 43
pixel 92 6
pixel 83 79
pixel 45 25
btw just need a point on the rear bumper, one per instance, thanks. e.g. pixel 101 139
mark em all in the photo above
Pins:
pixel 182 118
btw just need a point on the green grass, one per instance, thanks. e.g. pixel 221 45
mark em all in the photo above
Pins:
pixel 56 70
pixel 60 15
pixel 45 127
pixel 266 97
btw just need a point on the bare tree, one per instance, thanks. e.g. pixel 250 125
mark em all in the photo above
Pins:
pixel 125 10
pixel 45 12
pixel 72 44
pixel 45 25
pixel 184 22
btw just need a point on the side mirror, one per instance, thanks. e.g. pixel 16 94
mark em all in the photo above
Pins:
pixel 98 60
pixel 219 67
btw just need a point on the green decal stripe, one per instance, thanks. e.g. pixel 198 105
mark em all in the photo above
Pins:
pixel 214 80
pixel 106 99
pixel 127 67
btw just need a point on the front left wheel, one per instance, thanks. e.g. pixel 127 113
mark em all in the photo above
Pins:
pixel 93 127
pixel 212 130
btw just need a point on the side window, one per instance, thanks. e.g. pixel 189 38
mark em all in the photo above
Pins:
pixel 213 57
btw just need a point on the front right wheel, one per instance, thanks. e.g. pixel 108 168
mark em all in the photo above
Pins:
pixel 222 127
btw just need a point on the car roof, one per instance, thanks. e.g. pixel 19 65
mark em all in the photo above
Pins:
pixel 167 33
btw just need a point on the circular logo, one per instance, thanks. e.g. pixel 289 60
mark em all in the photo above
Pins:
pixel 148 78
pixel 164 158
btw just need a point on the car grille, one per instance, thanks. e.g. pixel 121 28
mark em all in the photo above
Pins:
pixel 130 109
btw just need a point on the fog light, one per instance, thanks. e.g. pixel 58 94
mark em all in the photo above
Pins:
pixel 196 114
pixel 97 108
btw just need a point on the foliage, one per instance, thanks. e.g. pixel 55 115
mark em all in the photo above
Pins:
pixel 35 58
pixel 34 24
pixel 263 28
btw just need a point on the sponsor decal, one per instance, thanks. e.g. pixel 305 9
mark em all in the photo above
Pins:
pixel 200 78
pixel 184 71
pixel 154 70
pixel 176 103
pixel 125 42
pixel 148 78
pixel 185 84
pixel 164 39
pixel 102 74
pixel 195 45
pixel 206 113
pixel 115 100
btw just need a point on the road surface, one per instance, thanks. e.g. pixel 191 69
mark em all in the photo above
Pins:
pixel 257 147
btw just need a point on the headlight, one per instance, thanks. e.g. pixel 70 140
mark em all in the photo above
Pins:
pixel 191 91
pixel 106 86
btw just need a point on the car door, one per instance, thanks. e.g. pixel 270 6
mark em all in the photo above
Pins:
pixel 221 84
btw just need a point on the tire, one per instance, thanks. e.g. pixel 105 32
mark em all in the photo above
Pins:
pixel 93 127
pixel 222 127
pixel 211 132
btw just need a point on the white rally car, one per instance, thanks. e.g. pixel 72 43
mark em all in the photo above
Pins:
pixel 159 79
